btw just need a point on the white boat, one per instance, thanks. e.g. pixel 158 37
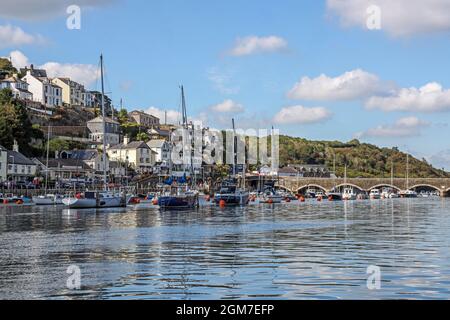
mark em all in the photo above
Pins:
pixel 393 195
pixel 375 194
pixel 48 200
pixel 270 195
pixel 95 200
pixel 349 194
pixel 408 194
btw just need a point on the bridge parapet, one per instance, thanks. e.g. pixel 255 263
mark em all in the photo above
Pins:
pixel 366 184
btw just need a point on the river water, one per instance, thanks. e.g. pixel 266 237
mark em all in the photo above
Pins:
pixel 289 251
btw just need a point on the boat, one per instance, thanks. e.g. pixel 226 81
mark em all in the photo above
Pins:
pixel 230 195
pixel 105 198
pixel 375 194
pixel 408 194
pixel 334 196
pixel 95 200
pixel 394 195
pixel 180 198
pixel 47 200
pixel 270 195
pixel 349 194
pixel 319 194
pixel 310 193
pixel 141 199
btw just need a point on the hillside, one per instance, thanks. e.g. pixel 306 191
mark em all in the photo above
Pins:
pixel 362 159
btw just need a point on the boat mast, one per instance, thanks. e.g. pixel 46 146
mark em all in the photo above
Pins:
pixel 407 171
pixel 186 127
pixel 46 164
pixel 105 182
pixel 234 147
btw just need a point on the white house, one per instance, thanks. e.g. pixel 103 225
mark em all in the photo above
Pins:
pixel 162 151
pixel 15 166
pixel 42 88
pixel 137 154
pixel 112 135
pixel 18 87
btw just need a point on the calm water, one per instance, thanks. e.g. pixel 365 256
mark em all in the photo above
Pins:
pixel 290 251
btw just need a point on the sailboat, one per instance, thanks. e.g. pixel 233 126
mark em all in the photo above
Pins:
pixel 229 193
pixel 105 198
pixel 47 199
pixel 408 193
pixel 181 196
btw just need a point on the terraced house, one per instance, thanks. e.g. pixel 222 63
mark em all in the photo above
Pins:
pixel 136 154
pixel 73 93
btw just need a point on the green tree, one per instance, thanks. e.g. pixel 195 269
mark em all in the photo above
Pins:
pixel 7 66
pixel 142 136
pixel 58 145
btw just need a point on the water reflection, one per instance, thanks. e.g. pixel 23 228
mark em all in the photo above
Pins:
pixel 292 251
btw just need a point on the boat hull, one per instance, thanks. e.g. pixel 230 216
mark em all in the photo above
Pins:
pixel 178 202
pixel 232 199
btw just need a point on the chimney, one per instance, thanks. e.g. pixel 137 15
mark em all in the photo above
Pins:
pixel 16 146
pixel 126 140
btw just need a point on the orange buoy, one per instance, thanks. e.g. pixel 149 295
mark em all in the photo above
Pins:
pixel 208 198
pixel 19 202
pixel 5 201
pixel 330 198
pixel 319 198
pixel 155 202
pixel 270 201
pixel 222 203
pixel 302 199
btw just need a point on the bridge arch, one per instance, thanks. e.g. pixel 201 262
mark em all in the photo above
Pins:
pixel 425 186
pixel 283 188
pixel 316 186
pixel 343 185
pixel 384 185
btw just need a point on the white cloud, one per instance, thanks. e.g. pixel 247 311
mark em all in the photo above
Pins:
pixel 402 128
pixel 429 98
pixel 301 115
pixel 253 45
pixel 42 9
pixel 348 86
pixel 11 36
pixel 221 81
pixel 18 59
pixel 173 116
pixel 86 74
pixel 441 159
pixel 228 106
pixel 398 18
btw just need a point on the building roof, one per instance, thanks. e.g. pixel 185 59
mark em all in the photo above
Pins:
pixel 143 113
pixel 100 119
pixel 18 158
pixel 131 145
pixel 156 143
pixel 65 164
pixel 84 155
pixel 288 170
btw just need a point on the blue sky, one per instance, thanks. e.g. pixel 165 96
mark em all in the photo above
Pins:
pixel 244 57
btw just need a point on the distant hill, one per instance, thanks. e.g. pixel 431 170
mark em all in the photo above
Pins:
pixel 362 159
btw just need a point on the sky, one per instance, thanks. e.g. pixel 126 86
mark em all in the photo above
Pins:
pixel 324 70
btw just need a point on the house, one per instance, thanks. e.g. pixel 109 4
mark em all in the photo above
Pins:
pixel 157 134
pixel 15 166
pixel 96 101
pixel 73 93
pixel 136 154
pixel 288 172
pixel 62 169
pixel 162 151
pixel 112 135
pixel 18 87
pixel 144 119
pixel 91 157
pixel 42 88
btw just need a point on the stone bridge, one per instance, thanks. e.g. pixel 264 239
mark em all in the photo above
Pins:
pixel 296 185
